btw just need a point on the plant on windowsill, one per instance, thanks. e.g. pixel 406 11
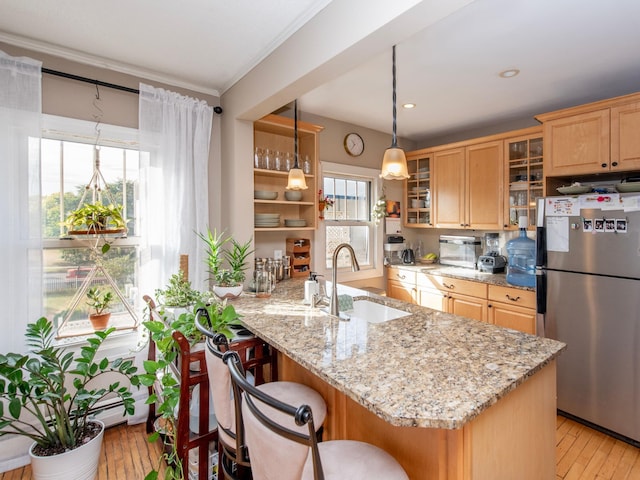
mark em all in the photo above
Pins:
pixel 99 302
pixel 227 281
pixel 324 203
pixel 222 316
pixel 48 395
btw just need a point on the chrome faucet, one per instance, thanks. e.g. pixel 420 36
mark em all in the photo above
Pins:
pixel 333 305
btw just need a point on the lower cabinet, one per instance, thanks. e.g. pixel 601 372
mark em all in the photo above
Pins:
pixel 512 308
pixel 401 284
pixel 504 306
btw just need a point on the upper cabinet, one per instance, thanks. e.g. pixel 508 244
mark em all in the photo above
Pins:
pixel 273 156
pixel 418 190
pixel 595 138
pixel 523 175
pixel 468 186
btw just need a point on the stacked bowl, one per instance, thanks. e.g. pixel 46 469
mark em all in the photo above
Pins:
pixel 266 220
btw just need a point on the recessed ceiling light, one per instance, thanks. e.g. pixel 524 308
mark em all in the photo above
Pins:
pixel 408 105
pixel 512 72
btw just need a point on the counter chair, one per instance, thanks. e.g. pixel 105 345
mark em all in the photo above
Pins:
pixel 282 441
pixel 233 455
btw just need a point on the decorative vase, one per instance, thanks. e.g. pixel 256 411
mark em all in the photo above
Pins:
pixel 227 292
pixel 99 320
pixel 322 205
pixel 78 464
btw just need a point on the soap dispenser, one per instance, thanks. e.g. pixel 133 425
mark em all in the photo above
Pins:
pixel 311 288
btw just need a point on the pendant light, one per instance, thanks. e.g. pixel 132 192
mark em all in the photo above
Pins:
pixel 296 175
pixel 394 162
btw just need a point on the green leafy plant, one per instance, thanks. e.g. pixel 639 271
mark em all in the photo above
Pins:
pixel 219 255
pixel 36 399
pixel 98 300
pixel 94 217
pixel 222 315
pixel 178 292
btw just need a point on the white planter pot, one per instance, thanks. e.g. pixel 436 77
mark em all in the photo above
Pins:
pixel 78 464
pixel 227 292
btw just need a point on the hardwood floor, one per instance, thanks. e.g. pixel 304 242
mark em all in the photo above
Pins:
pixel 581 453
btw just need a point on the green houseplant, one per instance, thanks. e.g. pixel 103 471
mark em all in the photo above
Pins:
pixel 227 262
pixel 99 302
pixel 178 293
pixel 95 218
pixel 48 394
pixel 167 397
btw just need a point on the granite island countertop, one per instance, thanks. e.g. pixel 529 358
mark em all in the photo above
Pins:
pixel 428 369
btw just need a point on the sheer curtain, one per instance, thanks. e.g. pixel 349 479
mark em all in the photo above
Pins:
pixel 176 131
pixel 20 242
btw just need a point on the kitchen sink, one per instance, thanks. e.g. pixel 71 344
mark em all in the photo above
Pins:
pixel 373 312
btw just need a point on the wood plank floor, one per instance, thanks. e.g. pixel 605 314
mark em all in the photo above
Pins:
pixel 581 453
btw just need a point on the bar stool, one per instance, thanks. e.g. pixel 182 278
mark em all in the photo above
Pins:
pixel 233 454
pixel 281 439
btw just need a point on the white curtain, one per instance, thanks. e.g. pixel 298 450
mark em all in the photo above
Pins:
pixel 20 217
pixel 176 131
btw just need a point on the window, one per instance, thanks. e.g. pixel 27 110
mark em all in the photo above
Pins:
pixel 67 165
pixel 353 191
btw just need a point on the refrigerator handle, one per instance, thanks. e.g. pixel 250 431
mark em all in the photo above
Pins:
pixel 541 235
pixel 541 302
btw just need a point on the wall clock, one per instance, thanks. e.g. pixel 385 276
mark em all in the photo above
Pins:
pixel 353 144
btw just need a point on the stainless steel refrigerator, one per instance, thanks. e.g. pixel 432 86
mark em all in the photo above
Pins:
pixel 588 285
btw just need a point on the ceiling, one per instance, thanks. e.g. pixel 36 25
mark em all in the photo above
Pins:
pixel 568 52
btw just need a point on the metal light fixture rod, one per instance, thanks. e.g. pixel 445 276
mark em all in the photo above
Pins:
pixel 394 137
pixel 296 180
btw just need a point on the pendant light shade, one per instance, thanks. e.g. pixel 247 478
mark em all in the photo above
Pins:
pixel 296 175
pixel 394 162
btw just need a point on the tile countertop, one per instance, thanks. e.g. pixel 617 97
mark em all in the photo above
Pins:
pixel 499 279
pixel 428 369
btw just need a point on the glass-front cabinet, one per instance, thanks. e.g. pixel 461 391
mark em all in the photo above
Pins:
pixel 524 176
pixel 417 207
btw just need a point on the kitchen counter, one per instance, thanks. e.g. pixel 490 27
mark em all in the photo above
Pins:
pixel 499 279
pixel 450 368
pixel 439 392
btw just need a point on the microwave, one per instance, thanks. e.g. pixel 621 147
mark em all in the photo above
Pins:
pixel 460 251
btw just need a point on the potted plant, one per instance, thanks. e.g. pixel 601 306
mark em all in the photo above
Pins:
pixel 94 218
pixel 160 371
pixel 99 301
pixel 178 292
pixel 48 395
pixel 228 281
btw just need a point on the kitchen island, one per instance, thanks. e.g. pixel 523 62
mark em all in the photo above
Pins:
pixel 449 397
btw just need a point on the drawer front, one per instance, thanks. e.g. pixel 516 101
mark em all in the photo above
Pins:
pixel 402 275
pixel 453 285
pixel 512 296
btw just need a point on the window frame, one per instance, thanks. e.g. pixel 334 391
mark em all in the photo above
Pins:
pixel 351 172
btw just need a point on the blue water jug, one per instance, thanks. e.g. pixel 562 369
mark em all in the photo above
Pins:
pixel 521 268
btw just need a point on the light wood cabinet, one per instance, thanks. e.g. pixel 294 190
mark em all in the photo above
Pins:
pixel 467 186
pixel 595 138
pixel 417 207
pixel 523 167
pixel 401 284
pixel 452 295
pixel 512 308
pixel 275 135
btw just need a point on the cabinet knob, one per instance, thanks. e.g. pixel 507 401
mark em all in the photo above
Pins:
pixel 604 165
pixel 513 299
pixel 614 164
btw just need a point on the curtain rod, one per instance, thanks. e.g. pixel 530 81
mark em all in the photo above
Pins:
pixel 88 80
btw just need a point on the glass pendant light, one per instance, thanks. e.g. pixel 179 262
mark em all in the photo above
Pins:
pixel 296 175
pixel 394 162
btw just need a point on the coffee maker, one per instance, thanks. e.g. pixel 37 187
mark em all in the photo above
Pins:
pixel 492 261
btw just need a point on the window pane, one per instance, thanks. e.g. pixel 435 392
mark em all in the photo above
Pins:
pixel 357 236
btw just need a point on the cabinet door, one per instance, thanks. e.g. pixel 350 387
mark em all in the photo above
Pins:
pixel 470 307
pixel 516 318
pixel 484 174
pixel 401 291
pixel 448 196
pixel 432 298
pixel 625 141
pixel 577 144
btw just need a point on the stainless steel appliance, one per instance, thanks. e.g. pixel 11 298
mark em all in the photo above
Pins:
pixel 492 261
pixel 460 251
pixel 408 257
pixel 588 286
